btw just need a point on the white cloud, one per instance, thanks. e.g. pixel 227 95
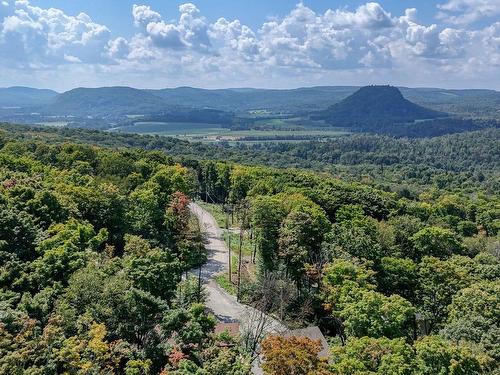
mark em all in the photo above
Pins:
pixel 468 11
pixel 36 37
pixel 118 48
pixel 237 37
pixel 72 59
pixel 305 47
pixel 369 15
pixel 190 32
pixel 143 15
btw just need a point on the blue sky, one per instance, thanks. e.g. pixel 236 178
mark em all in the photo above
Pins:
pixel 63 44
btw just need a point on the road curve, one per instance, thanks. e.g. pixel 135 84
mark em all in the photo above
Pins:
pixel 223 305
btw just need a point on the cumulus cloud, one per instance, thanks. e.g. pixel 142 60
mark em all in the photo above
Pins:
pixel 304 46
pixel 143 15
pixel 36 36
pixel 190 32
pixel 468 11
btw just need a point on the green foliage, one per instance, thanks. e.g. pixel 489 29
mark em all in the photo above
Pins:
pixel 368 355
pixel 93 242
pixel 19 232
pixel 438 281
pixel 66 250
pixel 398 275
pixel 155 272
pixel 474 316
pixel 375 315
pixel 358 237
pixel 300 238
pixel 267 214
pixel 80 290
pixel 343 280
pixel 435 355
pixel 437 242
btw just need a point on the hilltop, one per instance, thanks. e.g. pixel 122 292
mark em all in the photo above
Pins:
pixel 18 96
pixel 105 102
pixel 375 105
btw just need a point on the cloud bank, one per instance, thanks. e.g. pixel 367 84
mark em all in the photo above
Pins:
pixel 340 46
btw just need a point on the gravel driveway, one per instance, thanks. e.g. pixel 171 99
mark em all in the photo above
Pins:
pixel 223 305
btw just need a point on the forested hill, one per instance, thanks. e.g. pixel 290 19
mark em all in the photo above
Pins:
pixel 104 102
pixel 460 161
pixel 372 106
pixel 18 96
pixel 475 103
pixel 94 241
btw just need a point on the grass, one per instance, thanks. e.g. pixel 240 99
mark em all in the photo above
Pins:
pixel 57 124
pixel 216 211
pixel 248 244
pixel 223 281
pixel 171 128
pixel 248 268
pixel 205 132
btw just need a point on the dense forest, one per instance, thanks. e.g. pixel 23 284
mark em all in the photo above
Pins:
pixel 399 269
pixel 93 244
pixel 407 286
pixel 459 162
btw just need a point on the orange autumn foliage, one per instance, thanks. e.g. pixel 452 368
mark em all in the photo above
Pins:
pixel 293 356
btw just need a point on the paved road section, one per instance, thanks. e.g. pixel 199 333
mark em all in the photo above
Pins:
pixel 223 305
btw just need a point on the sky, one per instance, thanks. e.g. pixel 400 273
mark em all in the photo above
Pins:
pixel 62 44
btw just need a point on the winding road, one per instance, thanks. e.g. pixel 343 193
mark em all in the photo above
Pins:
pixel 223 305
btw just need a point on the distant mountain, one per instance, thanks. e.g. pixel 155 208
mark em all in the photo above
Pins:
pixel 118 101
pixel 245 99
pixel 105 102
pixel 372 106
pixel 19 96
pixel 482 103
pixel 468 102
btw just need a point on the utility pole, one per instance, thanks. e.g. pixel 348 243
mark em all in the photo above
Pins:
pixel 239 263
pixel 228 234
pixel 243 210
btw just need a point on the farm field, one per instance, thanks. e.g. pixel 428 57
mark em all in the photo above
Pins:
pixel 58 124
pixel 215 133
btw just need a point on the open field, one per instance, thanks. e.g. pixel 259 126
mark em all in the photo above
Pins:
pixel 215 133
pixel 58 124
pixel 185 129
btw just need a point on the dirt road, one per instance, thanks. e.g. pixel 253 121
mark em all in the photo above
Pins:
pixel 223 305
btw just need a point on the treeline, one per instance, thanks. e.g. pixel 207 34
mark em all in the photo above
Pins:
pixel 461 162
pixel 207 116
pixel 93 243
pixel 427 128
pixel 405 286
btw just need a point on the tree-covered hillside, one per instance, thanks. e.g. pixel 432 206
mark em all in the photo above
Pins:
pixel 94 240
pixel 93 243
pixel 18 96
pixel 104 102
pixel 463 162
pixel 373 106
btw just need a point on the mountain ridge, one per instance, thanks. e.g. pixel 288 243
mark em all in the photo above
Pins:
pixel 479 102
pixel 375 105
